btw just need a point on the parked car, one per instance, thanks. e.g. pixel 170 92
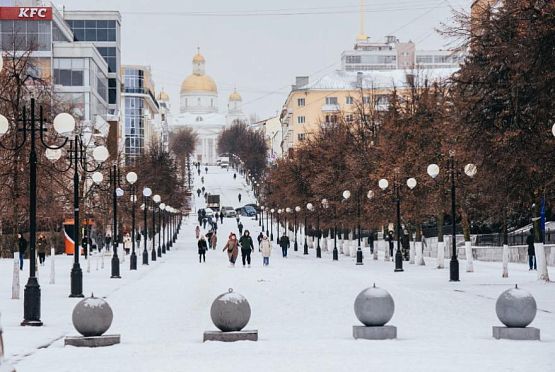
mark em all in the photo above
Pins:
pixel 247 210
pixel 256 207
pixel 229 212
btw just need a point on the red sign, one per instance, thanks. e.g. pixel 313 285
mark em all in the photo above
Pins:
pixel 26 13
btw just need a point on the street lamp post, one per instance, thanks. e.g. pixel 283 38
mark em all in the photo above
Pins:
pixel 335 253
pixel 132 178
pixel 297 210
pixel 279 211
pixel 346 196
pixel 262 217
pixel 156 198
pixel 162 229
pixel 308 207
pixel 147 192
pixel 383 184
pixel 116 192
pixel 470 170
pixel 272 224
pixel 63 124
pixel 287 210
pixel 311 208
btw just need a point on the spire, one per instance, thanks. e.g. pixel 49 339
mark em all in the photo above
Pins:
pixel 362 36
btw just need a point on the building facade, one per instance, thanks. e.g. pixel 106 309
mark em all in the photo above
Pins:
pixel 199 111
pixel 140 111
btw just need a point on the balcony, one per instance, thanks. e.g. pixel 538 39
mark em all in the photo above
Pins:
pixel 331 108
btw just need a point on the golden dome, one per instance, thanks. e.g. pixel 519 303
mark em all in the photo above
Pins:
pixel 198 83
pixel 198 58
pixel 163 96
pixel 235 96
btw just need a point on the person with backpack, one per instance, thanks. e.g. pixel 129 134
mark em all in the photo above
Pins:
pixel 247 246
pixel 284 243
pixel 202 248
pixel 266 248
pixel 22 246
pixel 232 249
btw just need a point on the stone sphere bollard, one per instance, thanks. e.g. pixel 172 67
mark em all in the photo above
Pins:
pixel 92 316
pixel 516 308
pixel 374 307
pixel 230 312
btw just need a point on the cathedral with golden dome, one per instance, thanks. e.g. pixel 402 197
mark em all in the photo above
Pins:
pixel 199 110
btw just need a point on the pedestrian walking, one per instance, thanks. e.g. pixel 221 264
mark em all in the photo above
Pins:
pixel 247 246
pixel 206 170
pixel 217 215
pixel 405 244
pixel 199 171
pixel 198 192
pixel 202 248
pixel 531 251
pixel 390 240
pixel 234 175
pixel 215 225
pixel 41 249
pixel 127 243
pixel 197 232
pixel 222 217
pixel 22 245
pixel 237 219
pixel 108 241
pixel 202 180
pixel 204 220
pixel 213 241
pixel 266 248
pixel 240 227
pixel 259 238
pixel 239 197
pixel 284 243
pixel 371 242
pixel 232 249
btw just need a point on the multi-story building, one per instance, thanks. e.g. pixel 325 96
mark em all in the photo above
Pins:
pixel 140 111
pixel 76 69
pixel 392 54
pixel 165 115
pixel 310 105
pixel 273 133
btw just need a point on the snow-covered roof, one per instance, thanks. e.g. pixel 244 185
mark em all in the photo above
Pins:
pixel 347 80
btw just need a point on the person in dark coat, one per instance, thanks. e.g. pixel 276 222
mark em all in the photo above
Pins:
pixel 234 175
pixel 198 192
pixel 405 245
pixel 371 242
pixel 390 240
pixel 202 248
pixel 240 227
pixel 247 246
pixel 204 220
pixel 217 215
pixel 259 238
pixel 239 197
pixel 41 249
pixel 531 251
pixel 221 217
pixel 206 170
pixel 284 243
pixel 22 246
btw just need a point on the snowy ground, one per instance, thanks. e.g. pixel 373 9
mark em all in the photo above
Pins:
pixel 302 307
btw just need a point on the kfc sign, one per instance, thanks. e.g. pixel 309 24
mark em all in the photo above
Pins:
pixel 26 13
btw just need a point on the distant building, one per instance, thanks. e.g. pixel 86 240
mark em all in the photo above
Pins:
pixel 273 134
pixel 140 111
pixel 199 111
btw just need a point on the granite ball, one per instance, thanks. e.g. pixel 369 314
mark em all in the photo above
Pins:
pixel 374 307
pixel 516 308
pixel 230 312
pixel 92 316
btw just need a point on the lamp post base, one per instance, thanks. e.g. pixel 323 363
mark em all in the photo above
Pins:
pixel 296 246
pixel 145 257
pixel 115 268
pixel 398 261
pixel 335 254
pixel 76 281
pixel 454 270
pixel 318 252
pixel 359 257
pixel 153 254
pixel 305 248
pixel 159 251
pixel 133 261
pixel 31 304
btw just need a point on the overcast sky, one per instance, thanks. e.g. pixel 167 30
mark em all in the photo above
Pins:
pixel 249 47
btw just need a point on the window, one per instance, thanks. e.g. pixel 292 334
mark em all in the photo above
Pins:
pixel 352 59
pixel 26 35
pixel 331 100
pixel 69 72
pixel 134 126
pixel 366 99
pixel 133 80
pixel 300 102
pixel 92 30
pixel 301 136
pixel 109 55
pixel 112 91
pixel 300 119
pixel 349 100
pixel 349 118
pixel 331 119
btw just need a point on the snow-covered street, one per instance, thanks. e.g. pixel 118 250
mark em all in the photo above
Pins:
pixel 302 307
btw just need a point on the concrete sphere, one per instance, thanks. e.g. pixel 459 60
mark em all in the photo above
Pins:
pixel 230 312
pixel 374 307
pixel 92 316
pixel 516 308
